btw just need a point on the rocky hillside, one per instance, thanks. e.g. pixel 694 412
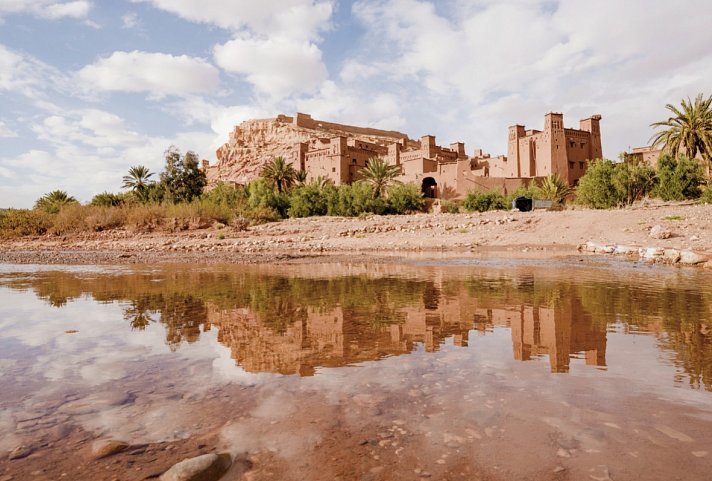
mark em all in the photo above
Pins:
pixel 255 142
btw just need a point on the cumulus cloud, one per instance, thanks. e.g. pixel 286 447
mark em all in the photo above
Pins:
pixel 296 19
pixel 158 74
pixel 47 8
pixel 130 20
pixel 276 67
pixel 6 132
pixel 479 66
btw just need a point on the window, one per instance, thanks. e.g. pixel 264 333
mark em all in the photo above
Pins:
pixel 333 169
pixel 353 161
pixel 571 165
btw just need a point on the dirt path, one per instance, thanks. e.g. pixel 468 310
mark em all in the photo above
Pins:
pixel 538 233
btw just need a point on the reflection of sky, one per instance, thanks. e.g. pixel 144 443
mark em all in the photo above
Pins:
pixel 478 385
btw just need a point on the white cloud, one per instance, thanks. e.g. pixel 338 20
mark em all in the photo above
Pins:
pixel 156 73
pixel 49 9
pixel 6 132
pixel 130 20
pixel 296 19
pixel 277 67
pixel 472 68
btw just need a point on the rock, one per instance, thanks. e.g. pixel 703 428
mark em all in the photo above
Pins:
pixel 600 473
pixel 691 258
pixel 659 232
pixel 20 452
pixel 625 250
pixel 708 265
pixel 559 469
pixel 102 449
pixel 651 252
pixel 208 467
pixel 671 255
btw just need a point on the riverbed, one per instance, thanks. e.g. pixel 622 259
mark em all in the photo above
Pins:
pixel 426 369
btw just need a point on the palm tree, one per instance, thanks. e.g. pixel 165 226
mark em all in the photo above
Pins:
pixel 379 174
pixel 279 173
pixel 53 202
pixel 301 177
pixel 689 130
pixel 138 181
pixel 553 188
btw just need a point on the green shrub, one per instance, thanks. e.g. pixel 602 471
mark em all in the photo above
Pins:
pixel 308 200
pixel 22 222
pixel 107 199
pixel 261 195
pixel 678 179
pixel 633 181
pixel 483 201
pixel 449 206
pixel 354 200
pixel 225 194
pixel 706 197
pixel 529 192
pixel 553 188
pixel 596 188
pixel 405 199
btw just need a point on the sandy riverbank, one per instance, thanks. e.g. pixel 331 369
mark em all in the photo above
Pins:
pixel 499 233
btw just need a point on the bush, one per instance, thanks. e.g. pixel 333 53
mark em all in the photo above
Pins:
pixel 553 188
pixel 633 181
pixel 354 200
pixel 483 201
pixel 706 197
pixel 596 188
pixel 225 194
pixel 528 192
pixel 405 199
pixel 261 195
pixel 449 206
pixel 107 199
pixel 308 200
pixel 21 222
pixel 678 179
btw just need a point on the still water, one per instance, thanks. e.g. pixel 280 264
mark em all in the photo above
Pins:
pixel 456 370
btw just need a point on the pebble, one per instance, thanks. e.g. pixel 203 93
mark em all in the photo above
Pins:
pixel 699 454
pixel 559 469
pixel 102 449
pixel 659 232
pixel 600 473
pixel 208 467
pixel 562 453
pixel 20 452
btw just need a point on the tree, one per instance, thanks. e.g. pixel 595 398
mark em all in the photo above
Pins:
pixel 54 201
pixel 107 199
pixel 596 188
pixel 379 174
pixel 301 177
pixel 678 179
pixel 182 179
pixel 279 173
pixel 138 181
pixel 553 188
pixel 689 130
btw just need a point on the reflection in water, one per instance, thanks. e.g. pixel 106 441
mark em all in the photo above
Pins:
pixel 297 324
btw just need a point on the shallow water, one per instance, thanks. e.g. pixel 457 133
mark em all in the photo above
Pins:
pixel 448 370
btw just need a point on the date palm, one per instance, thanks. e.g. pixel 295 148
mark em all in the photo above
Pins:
pixel 688 130
pixel 138 180
pixel 279 173
pixel 553 188
pixel 379 174
pixel 53 202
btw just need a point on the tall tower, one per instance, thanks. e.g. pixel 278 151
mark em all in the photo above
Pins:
pixel 593 125
pixel 556 139
pixel 516 132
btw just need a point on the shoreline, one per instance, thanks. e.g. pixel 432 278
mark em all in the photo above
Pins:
pixel 493 234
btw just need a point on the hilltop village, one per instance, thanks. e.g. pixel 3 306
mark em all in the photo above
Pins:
pixel 337 152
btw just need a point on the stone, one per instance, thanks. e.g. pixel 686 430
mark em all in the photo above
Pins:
pixel 671 255
pixel 692 258
pixel 102 449
pixel 208 467
pixel 651 253
pixel 600 473
pixel 20 452
pixel 659 232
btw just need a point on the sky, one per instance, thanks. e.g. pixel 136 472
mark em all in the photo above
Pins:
pixel 89 88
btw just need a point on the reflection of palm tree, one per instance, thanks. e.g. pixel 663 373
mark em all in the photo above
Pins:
pixel 138 315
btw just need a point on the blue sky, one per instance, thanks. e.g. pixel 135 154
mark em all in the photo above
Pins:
pixel 89 88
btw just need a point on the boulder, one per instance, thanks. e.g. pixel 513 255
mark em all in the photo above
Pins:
pixel 651 253
pixel 692 258
pixel 671 255
pixel 19 452
pixel 659 232
pixel 208 467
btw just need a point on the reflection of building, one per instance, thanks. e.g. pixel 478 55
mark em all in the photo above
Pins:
pixel 557 332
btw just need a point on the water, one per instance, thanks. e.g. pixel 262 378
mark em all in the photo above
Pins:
pixel 449 370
